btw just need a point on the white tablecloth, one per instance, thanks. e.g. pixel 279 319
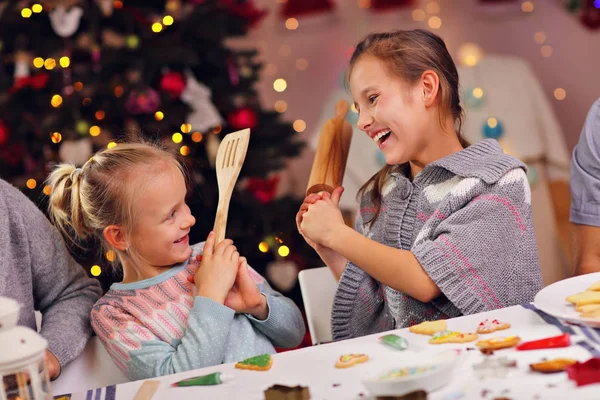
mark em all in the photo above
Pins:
pixel 314 367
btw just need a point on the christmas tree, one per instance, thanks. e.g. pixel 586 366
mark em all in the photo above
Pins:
pixel 77 76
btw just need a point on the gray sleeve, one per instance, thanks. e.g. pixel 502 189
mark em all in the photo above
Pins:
pixel 284 325
pixel 62 292
pixel 585 172
pixel 484 256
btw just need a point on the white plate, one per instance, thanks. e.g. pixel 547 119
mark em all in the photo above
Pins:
pixel 551 299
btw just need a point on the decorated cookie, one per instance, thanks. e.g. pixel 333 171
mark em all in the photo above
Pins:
pixel 429 327
pixel 262 362
pixel 491 325
pixel 349 360
pixel 583 298
pixel 498 342
pixel 404 372
pixel 452 337
pixel 554 365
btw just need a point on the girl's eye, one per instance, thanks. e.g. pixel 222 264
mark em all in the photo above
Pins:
pixel 172 214
pixel 372 99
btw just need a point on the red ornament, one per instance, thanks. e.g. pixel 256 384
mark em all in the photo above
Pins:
pixel 3 133
pixel 242 118
pixel 590 14
pixel 173 83
pixel 263 189
pixel 246 9
pixel 380 5
pixel 142 101
pixel 295 8
pixel 37 81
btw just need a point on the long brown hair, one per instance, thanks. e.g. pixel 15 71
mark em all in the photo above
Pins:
pixel 83 201
pixel 408 54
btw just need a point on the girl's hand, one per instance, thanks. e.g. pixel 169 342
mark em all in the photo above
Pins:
pixel 217 271
pixel 244 296
pixel 320 222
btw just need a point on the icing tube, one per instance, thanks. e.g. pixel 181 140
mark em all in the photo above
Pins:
pixel 205 380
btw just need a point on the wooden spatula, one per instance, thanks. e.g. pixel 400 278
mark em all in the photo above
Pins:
pixel 230 158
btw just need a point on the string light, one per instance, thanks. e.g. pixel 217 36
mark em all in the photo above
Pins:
pixel 435 22
pixel 283 251
pixel 470 54
pixel 87 101
pixel 280 85
pixel 539 37
pixel 285 50
pixel 26 12
pixel 78 86
pixel 492 122
pixel 263 247
pixel 270 69
pixel 177 137
pixel 110 145
pixel 301 64
pixel 118 4
pixel 119 91
pixel 110 256
pixel 280 106
pixel 292 24
pixel 196 137
pixel 184 150
pixel 100 115
pixel 364 3
pixel 157 27
pixel 433 7
pixel 167 20
pixel 186 128
pixel 31 183
pixel 64 62
pixel 37 8
pixel 546 51
pixel 95 270
pixel 159 115
pixel 299 125
pixel 527 7
pixel 419 15
pixel 50 63
pixel 56 100
pixel 95 130
pixel 38 62
pixel 56 137
pixel 47 190
pixel 217 129
pixel 478 93
pixel 560 93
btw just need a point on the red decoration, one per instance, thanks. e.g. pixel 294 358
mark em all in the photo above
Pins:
pixel 242 118
pixel 563 340
pixel 142 101
pixel 246 9
pixel 37 81
pixel 295 8
pixel 263 189
pixel 380 5
pixel 585 373
pixel 173 83
pixel 3 133
pixel 590 14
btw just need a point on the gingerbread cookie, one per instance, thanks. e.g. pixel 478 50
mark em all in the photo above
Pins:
pixel 491 325
pixel 350 360
pixel 452 337
pixel 262 362
pixel 554 365
pixel 429 327
pixel 498 343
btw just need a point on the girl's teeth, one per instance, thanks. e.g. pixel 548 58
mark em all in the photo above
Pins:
pixel 381 134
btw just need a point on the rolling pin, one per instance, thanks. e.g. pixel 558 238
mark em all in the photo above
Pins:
pixel 329 164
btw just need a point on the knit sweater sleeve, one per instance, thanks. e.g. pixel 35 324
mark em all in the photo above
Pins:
pixel 140 354
pixel 359 306
pixel 483 256
pixel 284 325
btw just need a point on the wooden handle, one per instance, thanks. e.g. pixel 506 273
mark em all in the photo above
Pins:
pixel 329 164
pixel 221 221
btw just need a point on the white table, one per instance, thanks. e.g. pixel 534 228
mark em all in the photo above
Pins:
pixel 314 367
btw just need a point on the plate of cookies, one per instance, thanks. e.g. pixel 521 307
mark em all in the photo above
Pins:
pixel 575 300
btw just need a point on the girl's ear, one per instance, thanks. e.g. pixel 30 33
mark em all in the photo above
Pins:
pixel 115 236
pixel 430 83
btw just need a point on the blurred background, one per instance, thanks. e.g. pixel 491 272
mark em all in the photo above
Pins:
pixel 79 75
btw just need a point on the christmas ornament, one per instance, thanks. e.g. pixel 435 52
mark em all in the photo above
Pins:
pixel 173 83
pixel 244 117
pixel 283 274
pixel 295 8
pixel 246 9
pixel 37 82
pixel 65 23
pixel 142 101
pixel 492 128
pixel 590 13
pixel 75 152
pixel 3 133
pixel 474 98
pixel 204 114
pixel 263 190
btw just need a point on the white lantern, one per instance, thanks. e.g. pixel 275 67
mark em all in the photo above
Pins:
pixel 23 366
